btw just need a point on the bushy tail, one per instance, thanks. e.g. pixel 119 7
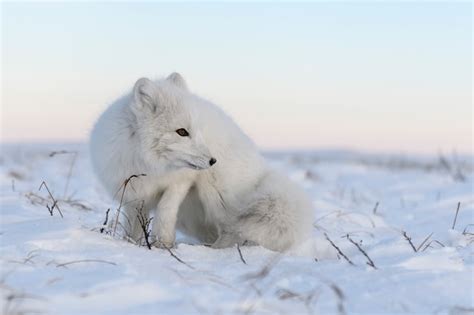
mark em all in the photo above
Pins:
pixel 279 215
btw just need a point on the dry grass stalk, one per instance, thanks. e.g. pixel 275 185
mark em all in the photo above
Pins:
pixel 177 258
pixel 422 243
pixel 255 278
pixel 409 241
pixel 339 250
pixel 76 203
pixel 55 202
pixel 104 225
pixel 29 258
pixel 374 211
pixel 466 230
pixel 340 298
pixel 145 224
pixel 36 199
pixel 85 261
pixel 369 261
pixel 433 241
pixel 456 216
pixel 240 254
pixel 306 298
pixel 12 303
pixel 265 270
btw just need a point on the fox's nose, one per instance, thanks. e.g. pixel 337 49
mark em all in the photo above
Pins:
pixel 212 161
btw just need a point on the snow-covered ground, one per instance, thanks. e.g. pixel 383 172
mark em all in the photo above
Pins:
pixel 64 265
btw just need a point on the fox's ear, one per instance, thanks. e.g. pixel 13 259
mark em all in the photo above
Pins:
pixel 177 80
pixel 145 96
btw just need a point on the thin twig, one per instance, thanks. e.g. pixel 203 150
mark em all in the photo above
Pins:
pixel 369 262
pixel 456 216
pixel 240 254
pixel 85 261
pixel 55 202
pixel 15 298
pixel 466 229
pixel 76 203
pixel 375 208
pixel 176 257
pixel 105 221
pixel 433 241
pixel 36 199
pixel 265 270
pixel 28 259
pixel 409 241
pixel 53 153
pixel 284 294
pixel 255 278
pixel 145 223
pixel 338 250
pixel 340 297
pixel 422 243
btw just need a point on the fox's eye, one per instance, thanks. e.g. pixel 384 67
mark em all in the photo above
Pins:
pixel 182 132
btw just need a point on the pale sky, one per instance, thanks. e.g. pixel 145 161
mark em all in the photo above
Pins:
pixel 370 76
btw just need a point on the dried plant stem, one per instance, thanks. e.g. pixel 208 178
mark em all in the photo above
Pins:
pixel 338 250
pixel 240 254
pixel 466 230
pixel 105 221
pixel 422 243
pixel 369 261
pixel 177 258
pixel 409 241
pixel 433 241
pixel 145 223
pixel 339 296
pixel 456 216
pixel 55 202
pixel 265 270
pixel 86 261
pixel 374 211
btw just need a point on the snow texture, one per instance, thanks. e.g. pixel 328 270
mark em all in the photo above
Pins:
pixel 64 265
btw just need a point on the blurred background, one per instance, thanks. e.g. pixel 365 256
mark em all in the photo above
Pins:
pixel 372 76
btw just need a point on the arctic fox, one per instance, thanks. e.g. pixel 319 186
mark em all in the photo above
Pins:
pixel 203 174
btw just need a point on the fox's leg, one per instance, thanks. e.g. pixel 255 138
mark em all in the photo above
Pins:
pixel 192 219
pixel 166 214
pixel 135 230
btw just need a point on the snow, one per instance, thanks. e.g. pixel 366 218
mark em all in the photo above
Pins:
pixel 56 265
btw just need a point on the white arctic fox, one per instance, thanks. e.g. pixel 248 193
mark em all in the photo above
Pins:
pixel 203 174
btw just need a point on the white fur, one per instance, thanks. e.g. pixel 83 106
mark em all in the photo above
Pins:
pixel 236 200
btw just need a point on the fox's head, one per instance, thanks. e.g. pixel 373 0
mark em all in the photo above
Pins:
pixel 166 125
